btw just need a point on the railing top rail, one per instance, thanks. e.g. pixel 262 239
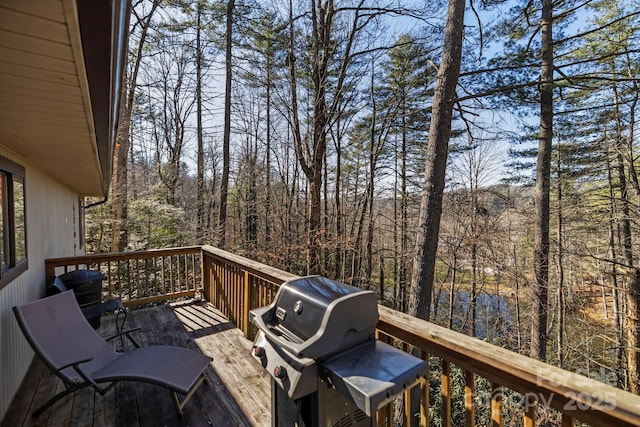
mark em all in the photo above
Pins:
pixel 123 255
pixel 271 274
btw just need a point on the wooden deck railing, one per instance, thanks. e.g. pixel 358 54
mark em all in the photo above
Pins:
pixel 138 278
pixel 497 385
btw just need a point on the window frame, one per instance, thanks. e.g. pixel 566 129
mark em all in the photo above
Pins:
pixel 11 173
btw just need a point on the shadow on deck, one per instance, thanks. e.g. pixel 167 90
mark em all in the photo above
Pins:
pixel 237 392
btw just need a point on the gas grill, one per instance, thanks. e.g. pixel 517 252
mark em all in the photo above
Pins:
pixel 317 342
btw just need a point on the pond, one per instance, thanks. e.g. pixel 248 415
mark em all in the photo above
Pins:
pixel 494 314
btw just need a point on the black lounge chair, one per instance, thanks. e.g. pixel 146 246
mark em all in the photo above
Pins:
pixel 89 301
pixel 62 337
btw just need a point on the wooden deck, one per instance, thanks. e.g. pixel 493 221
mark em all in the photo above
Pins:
pixel 237 392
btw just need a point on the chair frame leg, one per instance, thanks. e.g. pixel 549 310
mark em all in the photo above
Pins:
pixel 70 390
pixel 53 400
pixel 180 405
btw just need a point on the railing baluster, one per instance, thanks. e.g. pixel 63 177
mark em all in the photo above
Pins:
pixel 406 396
pixel 164 272
pixel 154 273
pixel 567 421
pixel 238 295
pixel 219 290
pixel 234 295
pixel 446 393
pixel 127 271
pixel 496 405
pixel 172 275
pixel 191 273
pixel 530 412
pixel 142 285
pixel 424 394
pixel 246 304
pixel 187 273
pixel 469 406
pixel 382 415
pixel 179 272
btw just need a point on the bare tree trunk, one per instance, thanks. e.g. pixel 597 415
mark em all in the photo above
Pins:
pixel 397 256
pixel 339 247
pixel 621 377
pixel 404 227
pixel 631 115
pixel 119 213
pixel 437 151
pixel 475 233
pixel 322 15
pixel 200 210
pixel 373 159
pixel 311 155
pixel 400 232
pixel 633 282
pixel 633 296
pixel 325 216
pixel 542 189
pixel 119 187
pixel 632 273
pixel 452 288
pixel 226 161
pixel 560 237
pixel 424 261
pixel 267 166
pixel 517 296
pixel 473 303
pixel 356 265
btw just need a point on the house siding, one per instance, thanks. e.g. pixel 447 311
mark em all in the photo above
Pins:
pixel 52 231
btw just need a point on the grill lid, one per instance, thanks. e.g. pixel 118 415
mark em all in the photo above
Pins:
pixel 315 317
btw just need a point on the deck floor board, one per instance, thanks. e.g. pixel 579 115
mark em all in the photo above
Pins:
pixel 237 392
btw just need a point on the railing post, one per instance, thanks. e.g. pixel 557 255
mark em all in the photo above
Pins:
pixel 206 282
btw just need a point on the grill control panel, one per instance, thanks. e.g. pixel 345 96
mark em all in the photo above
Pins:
pixel 298 377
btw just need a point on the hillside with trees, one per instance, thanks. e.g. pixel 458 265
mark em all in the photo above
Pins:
pixel 474 164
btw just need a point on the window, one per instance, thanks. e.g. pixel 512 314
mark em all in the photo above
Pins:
pixel 13 227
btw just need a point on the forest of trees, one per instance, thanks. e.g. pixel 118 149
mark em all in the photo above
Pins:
pixel 474 163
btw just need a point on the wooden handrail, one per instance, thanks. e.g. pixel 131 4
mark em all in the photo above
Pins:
pixel 141 277
pixel 235 285
pixel 572 394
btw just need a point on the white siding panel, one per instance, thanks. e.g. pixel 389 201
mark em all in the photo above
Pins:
pixel 51 208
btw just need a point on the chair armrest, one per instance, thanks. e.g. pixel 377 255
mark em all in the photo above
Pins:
pixel 127 333
pixel 88 380
pixel 74 364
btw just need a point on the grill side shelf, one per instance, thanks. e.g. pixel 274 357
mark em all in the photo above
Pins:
pixel 372 374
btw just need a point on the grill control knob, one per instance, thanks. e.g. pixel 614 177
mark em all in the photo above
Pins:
pixel 258 352
pixel 280 372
